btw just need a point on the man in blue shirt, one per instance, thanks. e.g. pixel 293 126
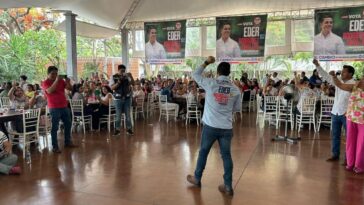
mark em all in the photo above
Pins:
pixel 223 98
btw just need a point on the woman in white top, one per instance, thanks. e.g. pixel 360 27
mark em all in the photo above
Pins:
pixel 304 90
pixel 77 91
pixel 18 98
pixel 138 92
pixel 104 100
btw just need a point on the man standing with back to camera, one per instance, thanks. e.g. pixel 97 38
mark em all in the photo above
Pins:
pixel 222 100
pixel 121 84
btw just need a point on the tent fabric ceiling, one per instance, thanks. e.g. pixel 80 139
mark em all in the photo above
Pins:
pixel 186 9
pixel 110 13
pixel 90 30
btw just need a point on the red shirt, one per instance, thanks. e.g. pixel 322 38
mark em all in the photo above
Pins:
pixel 245 87
pixel 57 99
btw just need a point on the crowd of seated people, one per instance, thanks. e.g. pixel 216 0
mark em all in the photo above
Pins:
pixel 96 94
pixel 95 91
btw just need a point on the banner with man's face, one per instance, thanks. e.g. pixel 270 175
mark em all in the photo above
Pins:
pixel 240 38
pixel 165 42
pixel 339 34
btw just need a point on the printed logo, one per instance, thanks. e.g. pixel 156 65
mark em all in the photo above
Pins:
pixel 222 96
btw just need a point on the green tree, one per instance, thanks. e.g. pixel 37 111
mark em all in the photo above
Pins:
pixel 275 33
pixel 359 70
pixel 30 53
pixel 17 21
pixel 89 68
pixel 193 38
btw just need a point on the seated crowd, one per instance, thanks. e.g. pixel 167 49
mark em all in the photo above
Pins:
pixel 96 93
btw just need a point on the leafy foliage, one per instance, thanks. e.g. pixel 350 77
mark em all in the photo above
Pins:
pixel 89 68
pixel 30 53
pixel 17 21
pixel 359 70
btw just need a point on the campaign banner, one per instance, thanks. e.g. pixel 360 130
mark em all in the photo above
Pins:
pixel 339 34
pixel 240 38
pixel 165 42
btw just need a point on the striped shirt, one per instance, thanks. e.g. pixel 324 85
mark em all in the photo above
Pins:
pixel 3 138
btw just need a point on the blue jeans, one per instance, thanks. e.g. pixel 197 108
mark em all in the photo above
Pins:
pixel 63 114
pixel 337 121
pixel 123 106
pixel 7 162
pixel 208 137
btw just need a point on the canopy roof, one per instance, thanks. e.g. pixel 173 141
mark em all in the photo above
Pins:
pixel 90 30
pixel 111 13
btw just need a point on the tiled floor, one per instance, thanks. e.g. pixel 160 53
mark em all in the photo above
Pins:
pixel 151 167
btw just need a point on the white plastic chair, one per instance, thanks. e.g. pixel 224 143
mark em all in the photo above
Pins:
pixel 192 110
pixel 156 95
pixel 110 117
pixel 259 104
pixel 4 102
pixel 150 104
pixel 165 109
pixel 307 115
pixel 282 112
pixel 45 123
pixel 270 108
pixel 241 109
pixel 78 115
pixel 252 99
pixel 139 107
pixel 324 116
pixel 30 131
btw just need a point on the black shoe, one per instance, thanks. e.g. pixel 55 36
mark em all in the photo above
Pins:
pixel 193 180
pixel 56 150
pixel 226 190
pixel 333 159
pixel 71 145
pixel 116 133
pixel 130 132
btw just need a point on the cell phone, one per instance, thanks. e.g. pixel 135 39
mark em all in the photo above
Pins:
pixel 63 76
pixel 98 93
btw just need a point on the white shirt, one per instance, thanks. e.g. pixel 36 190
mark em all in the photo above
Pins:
pixel 330 45
pixel 154 51
pixel 192 98
pixel 228 49
pixel 24 86
pixel 138 93
pixel 305 93
pixel 275 79
pixel 341 100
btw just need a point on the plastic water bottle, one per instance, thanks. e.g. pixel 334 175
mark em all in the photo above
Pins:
pixel 28 158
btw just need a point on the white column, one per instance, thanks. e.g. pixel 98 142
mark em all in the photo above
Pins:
pixel 105 57
pixel 113 66
pixel 125 47
pixel 71 45
pixel 289 35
